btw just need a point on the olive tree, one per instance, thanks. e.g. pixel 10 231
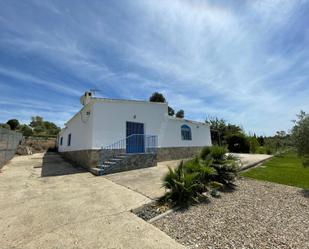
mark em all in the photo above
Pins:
pixel 13 123
pixel 300 134
pixel 180 114
pixel 157 97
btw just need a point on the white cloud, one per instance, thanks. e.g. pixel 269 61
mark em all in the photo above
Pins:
pixel 205 50
pixel 30 79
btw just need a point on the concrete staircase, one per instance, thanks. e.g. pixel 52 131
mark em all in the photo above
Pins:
pixel 107 165
pixel 133 152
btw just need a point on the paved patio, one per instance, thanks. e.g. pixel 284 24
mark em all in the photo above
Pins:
pixel 147 181
pixel 47 203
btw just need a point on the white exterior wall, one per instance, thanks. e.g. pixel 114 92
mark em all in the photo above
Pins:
pixel 81 129
pixel 107 125
pixel 110 119
pixel 171 135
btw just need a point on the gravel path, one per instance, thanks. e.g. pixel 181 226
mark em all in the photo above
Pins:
pixel 257 215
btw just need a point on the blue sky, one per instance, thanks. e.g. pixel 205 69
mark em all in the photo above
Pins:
pixel 244 61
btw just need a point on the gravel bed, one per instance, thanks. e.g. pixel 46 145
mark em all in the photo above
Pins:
pixel 151 210
pixel 257 215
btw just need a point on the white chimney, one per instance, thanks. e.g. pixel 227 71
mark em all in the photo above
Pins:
pixel 86 98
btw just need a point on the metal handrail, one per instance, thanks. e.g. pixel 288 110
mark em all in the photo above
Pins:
pixel 134 143
pixel 112 146
pixel 119 141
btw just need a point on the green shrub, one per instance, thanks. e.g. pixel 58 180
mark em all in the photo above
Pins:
pixel 238 143
pixel 226 168
pixel 218 153
pixel 261 150
pixel 269 150
pixel 183 186
pixel 188 181
pixel 225 173
pixel 205 152
pixel 204 172
pixel 5 126
pixel 265 150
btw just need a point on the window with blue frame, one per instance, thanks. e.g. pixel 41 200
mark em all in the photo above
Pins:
pixel 186 132
pixel 69 139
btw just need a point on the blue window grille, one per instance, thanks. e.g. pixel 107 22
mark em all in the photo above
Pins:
pixel 186 132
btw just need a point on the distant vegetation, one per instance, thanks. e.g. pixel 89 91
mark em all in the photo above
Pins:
pixel 37 127
pixel 236 140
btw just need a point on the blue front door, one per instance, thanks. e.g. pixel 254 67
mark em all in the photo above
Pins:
pixel 135 138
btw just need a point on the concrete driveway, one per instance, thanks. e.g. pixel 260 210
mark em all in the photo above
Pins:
pixel 47 203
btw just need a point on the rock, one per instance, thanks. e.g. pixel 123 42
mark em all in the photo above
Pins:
pixel 24 150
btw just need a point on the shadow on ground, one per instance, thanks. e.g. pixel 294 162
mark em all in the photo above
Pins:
pixel 305 192
pixel 54 165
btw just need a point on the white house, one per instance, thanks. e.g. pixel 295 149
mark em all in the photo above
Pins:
pixel 129 127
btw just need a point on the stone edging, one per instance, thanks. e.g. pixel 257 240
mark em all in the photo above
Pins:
pixel 255 164
pixel 160 216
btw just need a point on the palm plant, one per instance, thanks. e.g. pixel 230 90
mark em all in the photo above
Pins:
pixel 226 173
pixel 204 172
pixel 182 185
pixel 218 154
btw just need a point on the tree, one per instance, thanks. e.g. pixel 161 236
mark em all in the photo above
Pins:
pixel 41 127
pixel 300 134
pixel 171 111
pixel 51 128
pixel 220 130
pixel 180 114
pixel 238 143
pixel 157 97
pixel 217 129
pixel 232 129
pixel 261 140
pixel 254 144
pixel 36 121
pixel 26 130
pixel 13 123
pixel 280 140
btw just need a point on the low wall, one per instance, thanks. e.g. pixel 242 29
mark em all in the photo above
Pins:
pixel 174 153
pixel 91 158
pixel 134 161
pixel 9 141
pixel 84 158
